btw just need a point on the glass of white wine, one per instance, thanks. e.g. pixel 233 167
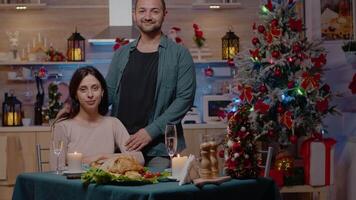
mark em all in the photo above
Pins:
pixel 171 139
pixel 57 146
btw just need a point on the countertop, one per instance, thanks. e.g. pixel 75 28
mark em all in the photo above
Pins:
pixel 48 129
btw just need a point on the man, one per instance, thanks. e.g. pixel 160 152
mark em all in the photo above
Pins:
pixel 151 82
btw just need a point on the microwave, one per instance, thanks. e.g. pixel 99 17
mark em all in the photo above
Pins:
pixel 212 104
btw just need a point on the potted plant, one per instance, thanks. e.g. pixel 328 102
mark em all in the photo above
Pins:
pixel 350 51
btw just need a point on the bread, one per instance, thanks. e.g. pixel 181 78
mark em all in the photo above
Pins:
pixel 119 165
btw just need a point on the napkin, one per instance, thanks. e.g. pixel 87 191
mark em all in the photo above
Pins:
pixel 190 171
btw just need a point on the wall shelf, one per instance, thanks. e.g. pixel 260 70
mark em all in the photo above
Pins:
pixel 24 6
pixel 216 6
pixel 28 63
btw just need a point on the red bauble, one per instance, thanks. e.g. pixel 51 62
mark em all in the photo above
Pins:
pixel 209 72
pixel 293 139
pixel 236 147
pixel 274 22
pixel 255 41
pixel 291 84
pixel 277 72
pixel 221 153
pixel 280 108
pixel 275 54
pixel 263 88
pixel 261 29
pixel 296 48
pixel 270 133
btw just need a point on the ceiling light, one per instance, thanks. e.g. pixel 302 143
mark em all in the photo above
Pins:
pixel 21 7
pixel 214 7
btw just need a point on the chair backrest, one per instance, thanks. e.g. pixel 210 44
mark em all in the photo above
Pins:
pixel 39 158
pixel 268 159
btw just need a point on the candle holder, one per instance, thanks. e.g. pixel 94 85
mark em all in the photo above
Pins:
pixel 76 47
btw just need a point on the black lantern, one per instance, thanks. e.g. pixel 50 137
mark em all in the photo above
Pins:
pixel 76 47
pixel 11 111
pixel 230 45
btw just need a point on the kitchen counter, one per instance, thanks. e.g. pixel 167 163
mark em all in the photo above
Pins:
pixel 48 129
pixel 7 129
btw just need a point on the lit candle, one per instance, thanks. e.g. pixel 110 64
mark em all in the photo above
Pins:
pixel 77 54
pixel 34 43
pixel 74 161
pixel 178 165
pixel 39 37
pixel 12 119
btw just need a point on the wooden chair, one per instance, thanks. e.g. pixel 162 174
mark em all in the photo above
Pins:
pixel 39 158
pixel 267 157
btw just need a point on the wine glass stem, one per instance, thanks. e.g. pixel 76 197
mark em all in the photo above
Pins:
pixel 57 168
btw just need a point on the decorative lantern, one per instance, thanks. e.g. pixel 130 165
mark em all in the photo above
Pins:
pixel 11 111
pixel 76 47
pixel 230 45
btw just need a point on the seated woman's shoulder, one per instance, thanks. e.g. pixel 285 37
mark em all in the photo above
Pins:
pixel 113 119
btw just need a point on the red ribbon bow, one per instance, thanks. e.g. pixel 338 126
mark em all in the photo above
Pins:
pixel 261 107
pixel 310 80
pixel 319 61
pixel 295 25
pixel 287 120
pixel 246 93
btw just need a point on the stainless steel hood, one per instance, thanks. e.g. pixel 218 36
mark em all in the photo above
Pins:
pixel 120 24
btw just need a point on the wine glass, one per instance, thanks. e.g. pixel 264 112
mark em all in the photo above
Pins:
pixel 171 139
pixel 57 146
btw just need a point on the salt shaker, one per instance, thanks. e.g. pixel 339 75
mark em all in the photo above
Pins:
pixel 205 165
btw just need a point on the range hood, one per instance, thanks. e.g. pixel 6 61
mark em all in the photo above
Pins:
pixel 120 24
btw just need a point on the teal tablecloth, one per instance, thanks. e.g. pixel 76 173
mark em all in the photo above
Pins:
pixel 46 186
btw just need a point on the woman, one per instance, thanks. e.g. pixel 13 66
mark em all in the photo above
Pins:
pixel 86 129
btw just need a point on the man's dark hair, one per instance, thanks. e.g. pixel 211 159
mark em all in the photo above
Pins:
pixel 75 81
pixel 162 2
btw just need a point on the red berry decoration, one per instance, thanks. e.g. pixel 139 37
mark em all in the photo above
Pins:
pixel 255 41
pixel 221 153
pixel 296 48
pixel 261 29
pixel 274 22
pixel 209 72
pixel 293 139
pixel 275 54
pixel 280 108
pixel 290 84
pixel 277 72
pixel 263 88
pixel 270 133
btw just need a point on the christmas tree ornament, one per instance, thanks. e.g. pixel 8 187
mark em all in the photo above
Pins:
pixel 209 72
pixel 255 41
pixel 275 54
pixel 277 72
pixel 284 161
pixel 293 139
pixel 263 88
pixel 261 29
pixel 290 84
pixel 274 22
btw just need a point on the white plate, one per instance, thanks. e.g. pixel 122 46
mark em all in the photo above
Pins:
pixel 73 172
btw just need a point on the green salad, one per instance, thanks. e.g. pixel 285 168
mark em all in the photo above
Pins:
pixel 99 176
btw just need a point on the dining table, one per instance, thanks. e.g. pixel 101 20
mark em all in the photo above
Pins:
pixel 50 186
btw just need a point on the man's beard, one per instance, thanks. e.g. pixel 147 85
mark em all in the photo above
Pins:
pixel 153 28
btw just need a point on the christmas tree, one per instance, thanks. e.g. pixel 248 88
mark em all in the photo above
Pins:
pixel 280 89
pixel 53 101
